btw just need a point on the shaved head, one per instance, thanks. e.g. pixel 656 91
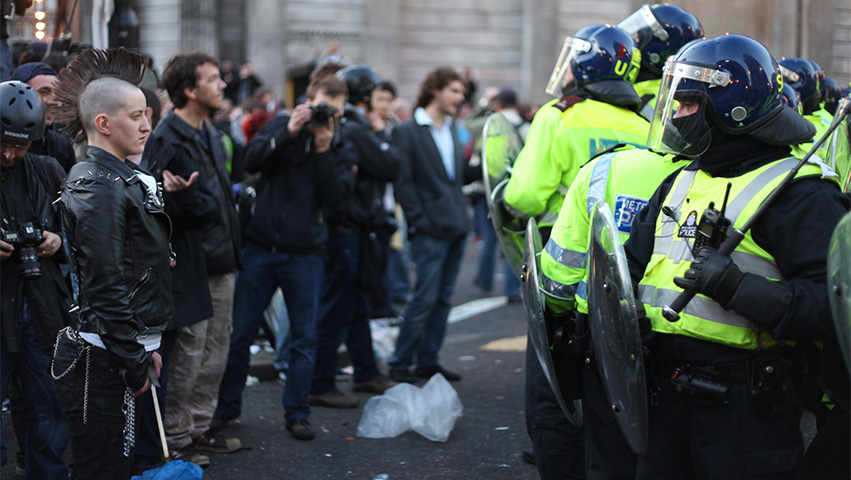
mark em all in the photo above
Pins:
pixel 103 95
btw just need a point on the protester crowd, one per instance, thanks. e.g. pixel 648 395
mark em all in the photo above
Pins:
pixel 153 220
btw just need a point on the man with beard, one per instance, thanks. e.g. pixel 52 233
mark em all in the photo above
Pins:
pixel 184 148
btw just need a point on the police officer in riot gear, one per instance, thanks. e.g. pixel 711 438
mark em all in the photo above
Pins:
pixel 659 31
pixel 726 366
pixel 598 109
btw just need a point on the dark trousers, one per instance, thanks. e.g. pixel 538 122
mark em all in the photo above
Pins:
pixel 149 451
pixel 300 280
pixel 98 443
pixel 608 453
pixel 690 440
pixel 46 428
pixel 559 445
pixel 343 313
pixel 827 457
pixel 438 262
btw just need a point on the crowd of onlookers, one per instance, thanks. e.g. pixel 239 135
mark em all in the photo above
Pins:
pixel 309 225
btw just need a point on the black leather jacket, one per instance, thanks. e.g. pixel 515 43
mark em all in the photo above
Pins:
pixel 120 243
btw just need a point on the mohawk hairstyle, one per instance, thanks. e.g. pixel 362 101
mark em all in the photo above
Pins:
pixel 91 65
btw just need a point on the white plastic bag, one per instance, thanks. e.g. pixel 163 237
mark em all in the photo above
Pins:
pixel 430 411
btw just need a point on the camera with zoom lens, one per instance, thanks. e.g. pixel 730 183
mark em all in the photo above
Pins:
pixel 26 239
pixel 321 113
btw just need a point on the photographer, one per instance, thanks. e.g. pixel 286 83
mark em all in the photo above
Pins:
pixel 35 297
pixel 304 172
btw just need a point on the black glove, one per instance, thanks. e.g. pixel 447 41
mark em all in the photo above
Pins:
pixel 645 326
pixel 713 275
pixel 760 300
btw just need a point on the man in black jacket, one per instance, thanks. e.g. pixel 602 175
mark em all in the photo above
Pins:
pixel 429 190
pixel 357 244
pixel 119 236
pixel 34 305
pixel 186 149
pixel 303 173
pixel 42 78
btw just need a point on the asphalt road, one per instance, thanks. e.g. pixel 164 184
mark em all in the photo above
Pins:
pixel 485 344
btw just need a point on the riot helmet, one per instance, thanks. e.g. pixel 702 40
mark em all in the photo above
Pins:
pixel 731 83
pixel 790 97
pixel 661 31
pixel 361 81
pixel 22 113
pixel 832 94
pixel 570 49
pixel 803 77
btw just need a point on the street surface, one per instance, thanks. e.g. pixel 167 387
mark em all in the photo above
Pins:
pixel 485 343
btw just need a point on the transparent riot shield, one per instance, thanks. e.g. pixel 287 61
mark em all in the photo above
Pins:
pixel 500 146
pixel 541 331
pixel 839 280
pixel 613 323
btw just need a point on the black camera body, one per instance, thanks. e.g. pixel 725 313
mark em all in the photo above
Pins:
pixel 26 238
pixel 322 113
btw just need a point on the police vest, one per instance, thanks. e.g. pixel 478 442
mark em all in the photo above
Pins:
pixel 690 194
pixel 648 90
pixel 539 183
pixel 625 179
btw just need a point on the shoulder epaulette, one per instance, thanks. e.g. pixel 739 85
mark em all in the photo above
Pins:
pixel 567 102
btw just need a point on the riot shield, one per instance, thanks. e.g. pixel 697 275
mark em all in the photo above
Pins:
pixel 500 146
pixel 839 277
pixel 613 323
pixel 541 332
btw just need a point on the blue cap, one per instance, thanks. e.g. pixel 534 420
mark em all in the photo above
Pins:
pixel 29 70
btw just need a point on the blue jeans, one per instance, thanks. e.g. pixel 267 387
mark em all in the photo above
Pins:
pixel 300 279
pixel 438 261
pixel 344 308
pixel 489 251
pixel 47 430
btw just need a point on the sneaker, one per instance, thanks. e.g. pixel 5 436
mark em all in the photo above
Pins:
pixel 300 429
pixel 190 454
pixel 213 443
pixel 403 376
pixel 529 456
pixel 427 372
pixel 377 384
pixel 333 398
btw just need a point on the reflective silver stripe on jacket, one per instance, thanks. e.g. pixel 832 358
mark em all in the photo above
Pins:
pixel 599 179
pixel 677 249
pixel 558 289
pixel 700 307
pixel 568 258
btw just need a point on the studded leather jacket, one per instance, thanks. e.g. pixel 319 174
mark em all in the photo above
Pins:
pixel 119 238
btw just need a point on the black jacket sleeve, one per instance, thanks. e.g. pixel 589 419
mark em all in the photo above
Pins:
pixel 376 155
pixel 796 231
pixel 99 237
pixel 191 207
pixel 267 148
pixel 405 187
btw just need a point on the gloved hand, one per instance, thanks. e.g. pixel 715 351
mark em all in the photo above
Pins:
pixel 713 275
pixel 645 326
pixel 760 300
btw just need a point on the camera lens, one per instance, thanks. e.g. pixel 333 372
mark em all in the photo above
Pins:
pixel 320 117
pixel 28 267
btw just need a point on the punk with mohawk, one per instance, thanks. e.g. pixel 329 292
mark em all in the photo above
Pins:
pixel 119 238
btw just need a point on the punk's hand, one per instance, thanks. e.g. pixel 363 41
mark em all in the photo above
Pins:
pixel 713 275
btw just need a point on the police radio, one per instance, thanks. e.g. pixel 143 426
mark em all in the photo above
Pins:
pixel 712 229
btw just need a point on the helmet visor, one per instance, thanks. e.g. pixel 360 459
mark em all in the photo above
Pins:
pixel 679 123
pixel 571 48
pixel 643 26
